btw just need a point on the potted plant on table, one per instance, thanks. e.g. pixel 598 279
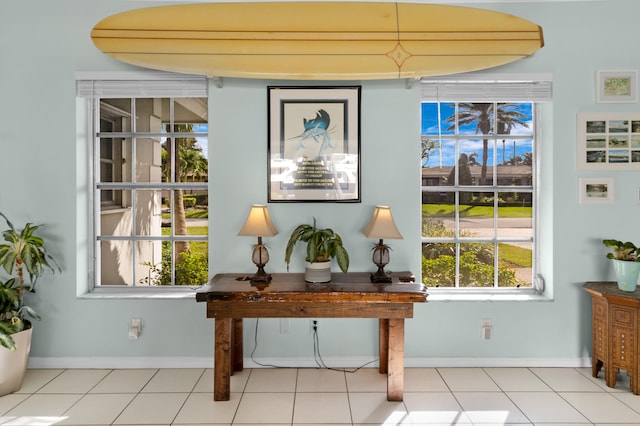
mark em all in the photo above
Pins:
pixel 626 263
pixel 24 257
pixel 322 246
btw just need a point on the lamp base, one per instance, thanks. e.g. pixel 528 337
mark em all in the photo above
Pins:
pixel 380 276
pixel 261 279
pixel 260 276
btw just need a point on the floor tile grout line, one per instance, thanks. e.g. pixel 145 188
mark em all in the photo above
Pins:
pixel 244 388
pixel 195 383
pixel 51 380
pixel 346 387
pixel 607 391
pixel 295 395
pixel 600 391
pixel 506 395
pixel 138 393
pixel 557 392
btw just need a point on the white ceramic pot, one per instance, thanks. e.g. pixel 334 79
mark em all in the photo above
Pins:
pixel 317 272
pixel 13 364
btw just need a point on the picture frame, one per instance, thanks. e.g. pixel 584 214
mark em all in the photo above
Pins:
pixel 617 86
pixel 314 144
pixel 596 190
pixel 608 141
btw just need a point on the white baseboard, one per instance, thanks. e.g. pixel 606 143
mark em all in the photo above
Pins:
pixel 497 362
pixel 351 362
pixel 120 362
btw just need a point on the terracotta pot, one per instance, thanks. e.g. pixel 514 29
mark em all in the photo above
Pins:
pixel 317 272
pixel 13 364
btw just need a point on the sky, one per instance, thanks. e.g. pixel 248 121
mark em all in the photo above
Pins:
pixel 203 142
pixel 506 148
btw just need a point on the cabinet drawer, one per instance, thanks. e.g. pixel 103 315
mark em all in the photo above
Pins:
pixel 623 316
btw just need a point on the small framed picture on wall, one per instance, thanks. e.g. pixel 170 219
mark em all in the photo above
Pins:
pixel 596 190
pixel 617 86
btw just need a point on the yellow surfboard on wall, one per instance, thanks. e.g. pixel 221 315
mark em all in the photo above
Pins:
pixel 316 40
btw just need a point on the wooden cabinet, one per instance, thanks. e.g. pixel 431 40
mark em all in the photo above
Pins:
pixel 615 332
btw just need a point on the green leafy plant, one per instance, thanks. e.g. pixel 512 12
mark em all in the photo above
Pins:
pixel 191 270
pixel 322 245
pixel 622 251
pixel 476 261
pixel 22 253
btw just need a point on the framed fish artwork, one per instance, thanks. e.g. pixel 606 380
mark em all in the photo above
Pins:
pixel 314 144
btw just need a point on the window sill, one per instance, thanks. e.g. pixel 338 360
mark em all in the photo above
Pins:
pixel 468 295
pixel 164 294
pixel 434 295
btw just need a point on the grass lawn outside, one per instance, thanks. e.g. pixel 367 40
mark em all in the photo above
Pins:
pixel 480 212
pixel 514 256
pixel 197 247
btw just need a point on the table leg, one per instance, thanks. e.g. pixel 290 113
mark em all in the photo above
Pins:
pixel 384 345
pixel 610 375
pixel 395 375
pixel 238 361
pixel 596 366
pixel 222 359
pixel 633 381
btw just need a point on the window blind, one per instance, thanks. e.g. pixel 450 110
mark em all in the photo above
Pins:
pixel 140 84
pixel 488 89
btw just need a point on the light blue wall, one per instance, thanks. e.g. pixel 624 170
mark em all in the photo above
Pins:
pixel 43 44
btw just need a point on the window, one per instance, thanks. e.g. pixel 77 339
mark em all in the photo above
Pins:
pixel 149 171
pixel 479 185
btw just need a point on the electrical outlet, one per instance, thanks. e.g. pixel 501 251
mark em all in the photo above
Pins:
pixel 313 326
pixel 284 325
pixel 135 327
pixel 486 328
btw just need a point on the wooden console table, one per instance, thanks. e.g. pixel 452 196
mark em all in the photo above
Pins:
pixel 231 297
pixel 615 332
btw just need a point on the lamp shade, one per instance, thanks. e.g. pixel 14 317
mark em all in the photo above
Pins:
pixel 382 225
pixel 258 223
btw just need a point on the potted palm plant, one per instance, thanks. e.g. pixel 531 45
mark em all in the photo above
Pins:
pixel 322 246
pixel 24 257
pixel 626 263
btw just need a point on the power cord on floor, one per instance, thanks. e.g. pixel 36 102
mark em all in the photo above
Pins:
pixel 255 346
pixel 318 357
pixel 316 353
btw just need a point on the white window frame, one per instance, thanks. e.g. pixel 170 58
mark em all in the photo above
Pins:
pixel 153 84
pixel 497 88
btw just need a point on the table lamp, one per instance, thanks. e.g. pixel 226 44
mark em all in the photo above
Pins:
pixel 258 224
pixel 381 226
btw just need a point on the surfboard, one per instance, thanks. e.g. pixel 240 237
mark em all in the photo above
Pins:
pixel 316 40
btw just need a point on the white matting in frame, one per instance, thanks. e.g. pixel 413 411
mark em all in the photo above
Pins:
pixel 608 141
pixel 617 86
pixel 596 191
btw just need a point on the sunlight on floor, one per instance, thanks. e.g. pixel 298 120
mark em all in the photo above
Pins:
pixel 32 420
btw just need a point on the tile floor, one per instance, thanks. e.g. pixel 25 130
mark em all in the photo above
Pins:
pixel 433 396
